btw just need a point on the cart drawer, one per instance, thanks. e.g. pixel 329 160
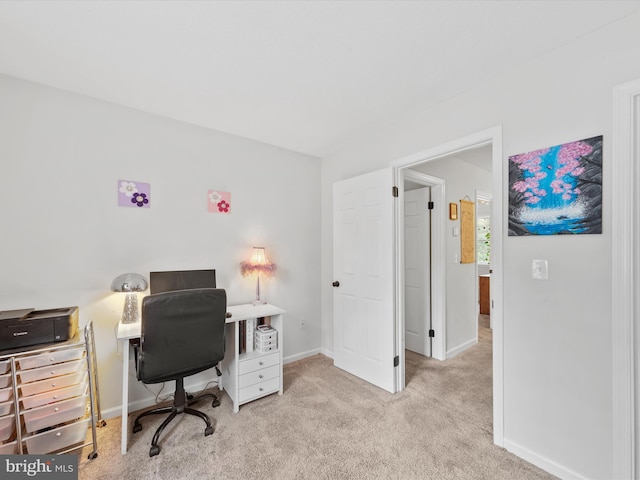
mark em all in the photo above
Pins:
pixel 6 394
pixel 55 413
pixel 57 395
pixel 7 427
pixel 35 374
pixel 58 438
pixel 51 383
pixel 9 448
pixel 50 358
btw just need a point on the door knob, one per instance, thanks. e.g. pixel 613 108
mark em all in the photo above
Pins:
pixel 336 284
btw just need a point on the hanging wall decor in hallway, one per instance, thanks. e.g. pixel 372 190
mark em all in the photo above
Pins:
pixel 557 190
pixel 467 231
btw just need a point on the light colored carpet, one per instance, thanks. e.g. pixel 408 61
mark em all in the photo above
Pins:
pixel 332 425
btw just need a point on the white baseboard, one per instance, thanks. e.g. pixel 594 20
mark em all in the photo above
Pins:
pixel 327 353
pixel 542 462
pixel 461 348
pixel 300 356
pixel 151 400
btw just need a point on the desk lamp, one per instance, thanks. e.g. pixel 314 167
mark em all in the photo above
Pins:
pixel 258 265
pixel 131 284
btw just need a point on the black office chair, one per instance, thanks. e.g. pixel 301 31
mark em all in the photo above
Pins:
pixel 182 334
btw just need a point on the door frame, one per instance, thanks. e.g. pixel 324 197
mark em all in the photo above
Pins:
pixel 437 284
pixel 488 196
pixel 625 279
pixel 492 136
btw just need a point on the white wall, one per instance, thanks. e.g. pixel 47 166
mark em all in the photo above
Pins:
pixel 64 238
pixel 557 334
pixel 461 180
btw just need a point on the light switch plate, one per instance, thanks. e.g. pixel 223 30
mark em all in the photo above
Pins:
pixel 540 269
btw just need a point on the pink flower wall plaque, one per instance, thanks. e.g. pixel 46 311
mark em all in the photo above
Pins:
pixel 134 194
pixel 219 202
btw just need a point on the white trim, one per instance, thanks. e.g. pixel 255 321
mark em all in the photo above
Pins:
pixel 302 356
pixel 542 462
pixel 492 136
pixel 625 276
pixel 461 348
pixel 438 278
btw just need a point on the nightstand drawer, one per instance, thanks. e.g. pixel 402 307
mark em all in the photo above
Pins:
pixel 260 389
pixel 58 438
pixel 49 358
pixel 257 363
pixel 252 378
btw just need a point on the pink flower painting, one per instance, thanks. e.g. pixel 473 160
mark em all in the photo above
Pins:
pixel 557 190
pixel 218 202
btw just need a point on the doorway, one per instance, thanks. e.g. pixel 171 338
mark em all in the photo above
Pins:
pixel 406 168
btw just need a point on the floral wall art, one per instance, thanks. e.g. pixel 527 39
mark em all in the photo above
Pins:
pixel 219 202
pixel 557 190
pixel 134 194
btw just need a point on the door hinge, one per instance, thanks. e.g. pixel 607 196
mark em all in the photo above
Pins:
pixel 396 361
pixel 432 333
pixel 394 191
pixel 430 205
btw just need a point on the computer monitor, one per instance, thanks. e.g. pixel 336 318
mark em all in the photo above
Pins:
pixel 181 280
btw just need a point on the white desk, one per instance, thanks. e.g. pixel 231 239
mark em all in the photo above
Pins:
pixel 241 372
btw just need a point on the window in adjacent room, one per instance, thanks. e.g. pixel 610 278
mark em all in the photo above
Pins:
pixel 483 238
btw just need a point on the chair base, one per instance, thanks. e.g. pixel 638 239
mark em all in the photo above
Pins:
pixel 181 404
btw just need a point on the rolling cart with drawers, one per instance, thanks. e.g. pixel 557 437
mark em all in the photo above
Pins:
pixel 49 397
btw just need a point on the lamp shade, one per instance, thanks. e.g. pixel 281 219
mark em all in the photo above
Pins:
pixel 129 282
pixel 258 265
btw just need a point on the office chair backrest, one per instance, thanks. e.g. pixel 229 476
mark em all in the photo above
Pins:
pixel 182 333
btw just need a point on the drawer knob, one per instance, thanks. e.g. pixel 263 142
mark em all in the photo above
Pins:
pixel 58 434
pixel 260 363
pixel 55 397
pixel 53 372
pixel 56 409
pixel 260 389
pixel 260 376
pixel 53 384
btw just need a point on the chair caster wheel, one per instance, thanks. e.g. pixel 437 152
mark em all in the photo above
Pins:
pixel 215 403
pixel 208 431
pixel 92 455
pixel 154 450
pixel 137 427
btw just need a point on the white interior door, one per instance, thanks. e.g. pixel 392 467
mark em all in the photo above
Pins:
pixel 417 287
pixel 363 267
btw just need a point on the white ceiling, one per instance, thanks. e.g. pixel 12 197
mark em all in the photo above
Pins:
pixel 303 75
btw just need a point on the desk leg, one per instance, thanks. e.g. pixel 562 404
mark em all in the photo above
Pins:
pixel 124 348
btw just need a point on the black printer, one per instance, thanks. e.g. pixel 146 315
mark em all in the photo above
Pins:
pixel 26 327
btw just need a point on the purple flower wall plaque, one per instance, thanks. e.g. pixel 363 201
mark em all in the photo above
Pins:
pixel 134 194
